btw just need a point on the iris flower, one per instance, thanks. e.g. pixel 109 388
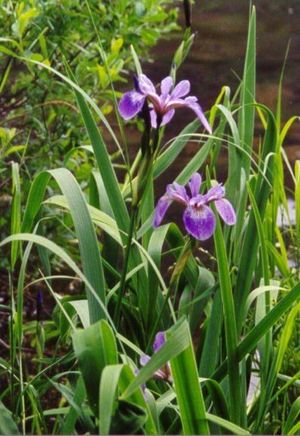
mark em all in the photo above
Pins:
pixel 162 107
pixel 198 218
pixel 163 373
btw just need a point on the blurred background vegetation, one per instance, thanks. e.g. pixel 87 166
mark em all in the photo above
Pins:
pixel 39 122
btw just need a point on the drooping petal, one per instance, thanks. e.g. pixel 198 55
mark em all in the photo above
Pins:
pixel 131 104
pixel 195 183
pixel 177 193
pixel 214 193
pixel 190 102
pixel 159 341
pixel 199 222
pixel 226 211
pixel 166 85
pixel 145 85
pixel 167 117
pixel 175 104
pixel 161 209
pixel 181 89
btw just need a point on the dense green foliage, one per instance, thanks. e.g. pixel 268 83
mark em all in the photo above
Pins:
pixel 38 117
pixel 230 313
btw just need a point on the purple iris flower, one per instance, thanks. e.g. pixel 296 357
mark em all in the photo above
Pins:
pixel 163 373
pixel 163 105
pixel 199 219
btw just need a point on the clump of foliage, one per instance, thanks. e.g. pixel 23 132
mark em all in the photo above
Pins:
pixel 38 116
pixel 157 334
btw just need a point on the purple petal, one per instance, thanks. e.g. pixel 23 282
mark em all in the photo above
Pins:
pixel 167 117
pixel 145 84
pixel 176 103
pixel 166 85
pixel 177 193
pixel 159 341
pixel 215 193
pixel 161 209
pixel 199 222
pixel 190 102
pixel 144 360
pixel 181 89
pixel 131 104
pixel 160 374
pixel 195 184
pixel 226 211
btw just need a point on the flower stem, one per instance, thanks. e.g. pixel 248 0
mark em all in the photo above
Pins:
pixel 117 313
pixel 187 13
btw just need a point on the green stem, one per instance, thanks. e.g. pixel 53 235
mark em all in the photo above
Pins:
pixel 179 267
pixel 125 268
pixel 158 319
pixel 230 325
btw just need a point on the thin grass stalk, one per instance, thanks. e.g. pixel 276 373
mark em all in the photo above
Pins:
pixel 117 313
pixel 249 343
pixel 248 256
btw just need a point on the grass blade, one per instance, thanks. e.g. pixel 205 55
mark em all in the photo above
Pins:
pixel 187 388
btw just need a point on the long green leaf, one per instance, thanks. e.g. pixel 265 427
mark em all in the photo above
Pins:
pixel 187 387
pixel 230 324
pixel 248 344
pixel 247 257
pixel 107 395
pixel 104 164
pixel 88 244
pixel 95 347
pixel 176 343
pixel 7 424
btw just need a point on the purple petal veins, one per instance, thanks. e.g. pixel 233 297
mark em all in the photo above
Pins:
pixel 160 210
pixel 215 193
pixel 195 183
pixel 166 85
pixel 164 104
pixel 145 85
pixel 177 193
pixel 181 89
pixel 199 222
pixel 226 211
pixel 198 218
pixel 131 104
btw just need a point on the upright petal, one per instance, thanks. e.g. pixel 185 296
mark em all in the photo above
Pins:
pixel 167 117
pixel 195 184
pixel 161 209
pixel 199 222
pixel 190 102
pixel 159 341
pixel 181 89
pixel 145 85
pixel 214 193
pixel 131 104
pixel 177 193
pixel 226 211
pixel 166 85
